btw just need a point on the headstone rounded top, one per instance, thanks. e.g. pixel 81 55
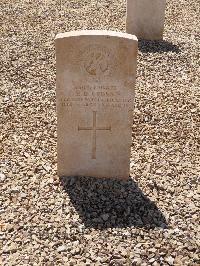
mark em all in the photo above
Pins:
pixel 96 33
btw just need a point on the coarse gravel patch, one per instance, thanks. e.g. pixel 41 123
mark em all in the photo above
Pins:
pixel 152 219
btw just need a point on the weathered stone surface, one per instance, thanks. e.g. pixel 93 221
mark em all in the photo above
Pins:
pixel 145 18
pixel 95 97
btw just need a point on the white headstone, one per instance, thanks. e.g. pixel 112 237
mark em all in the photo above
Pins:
pixel 95 98
pixel 145 18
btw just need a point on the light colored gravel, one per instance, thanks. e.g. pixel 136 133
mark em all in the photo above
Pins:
pixel 151 220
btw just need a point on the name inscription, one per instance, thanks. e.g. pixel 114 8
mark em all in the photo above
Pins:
pixel 99 96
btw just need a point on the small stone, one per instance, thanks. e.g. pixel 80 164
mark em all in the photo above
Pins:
pixel 10 249
pixel 26 155
pixel 16 189
pixel 23 195
pixel 105 216
pixel 75 251
pixel 169 260
pixel 62 248
pixel 2 177
pixel 155 263
pixel 152 260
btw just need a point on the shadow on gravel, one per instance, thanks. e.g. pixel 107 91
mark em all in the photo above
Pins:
pixel 158 47
pixel 109 203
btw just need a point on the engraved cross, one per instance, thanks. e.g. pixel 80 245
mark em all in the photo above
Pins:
pixel 94 129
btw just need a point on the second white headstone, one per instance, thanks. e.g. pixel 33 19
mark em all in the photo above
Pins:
pixel 145 18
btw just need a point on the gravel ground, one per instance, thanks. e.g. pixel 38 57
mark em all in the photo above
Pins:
pixel 150 220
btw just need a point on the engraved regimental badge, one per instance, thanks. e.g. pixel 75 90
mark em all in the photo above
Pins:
pixel 97 61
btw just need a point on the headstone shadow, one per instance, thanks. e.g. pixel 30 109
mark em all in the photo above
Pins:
pixel 103 203
pixel 146 46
